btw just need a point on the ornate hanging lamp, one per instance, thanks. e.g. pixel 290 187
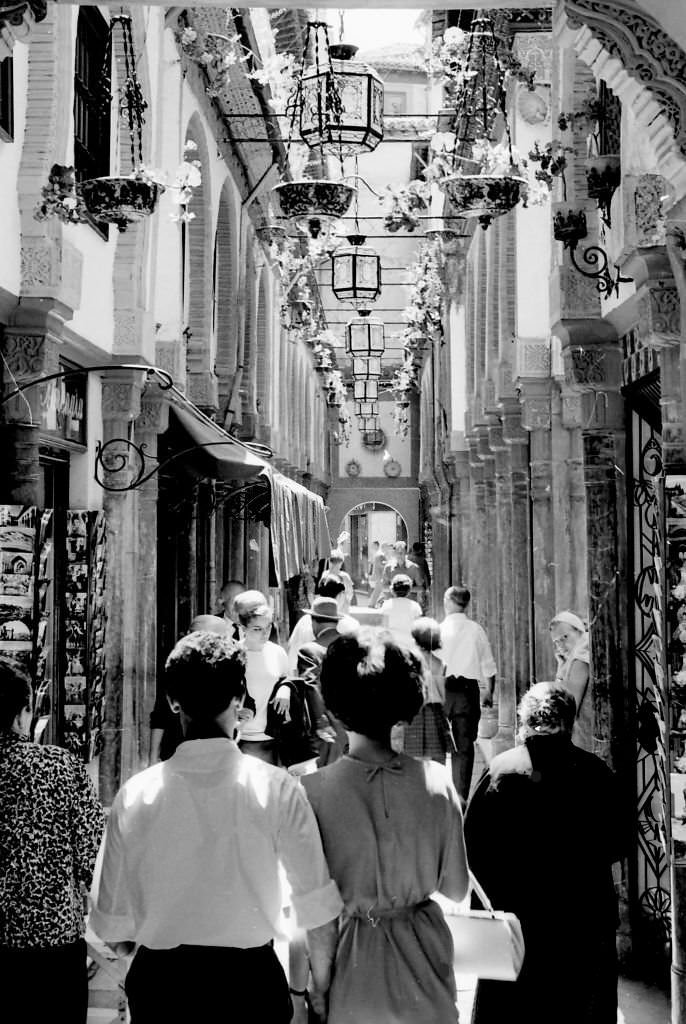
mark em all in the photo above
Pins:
pixel 364 336
pixel 366 368
pixel 366 408
pixel 368 424
pixel 341 109
pixel 314 203
pixel 484 181
pixel 365 390
pixel 356 273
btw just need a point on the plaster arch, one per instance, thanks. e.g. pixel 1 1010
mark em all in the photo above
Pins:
pixel 226 262
pixel 202 382
pixel 644 67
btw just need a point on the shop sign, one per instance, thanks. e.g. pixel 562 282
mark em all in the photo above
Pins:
pixel 63 406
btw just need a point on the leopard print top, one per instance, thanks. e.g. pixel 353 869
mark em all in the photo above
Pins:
pixel 51 824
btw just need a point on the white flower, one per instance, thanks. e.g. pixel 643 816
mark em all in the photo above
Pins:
pixel 443 142
pixel 190 146
pixel 454 37
pixel 188 36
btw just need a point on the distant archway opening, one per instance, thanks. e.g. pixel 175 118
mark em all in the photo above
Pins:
pixel 365 523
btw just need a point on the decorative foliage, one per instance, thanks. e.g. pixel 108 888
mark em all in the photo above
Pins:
pixel 403 205
pixel 343 434
pixel 423 313
pixel 336 391
pixel 552 162
pixel 61 198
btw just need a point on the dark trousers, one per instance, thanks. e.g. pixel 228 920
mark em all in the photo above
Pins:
pixel 48 984
pixel 463 708
pixel 207 984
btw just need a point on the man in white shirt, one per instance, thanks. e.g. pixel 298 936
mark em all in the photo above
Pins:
pixel 190 872
pixel 468 658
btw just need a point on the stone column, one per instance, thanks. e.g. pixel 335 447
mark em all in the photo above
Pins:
pixel 592 365
pixel 29 352
pixel 476 529
pixel 517 441
pixel 457 468
pixel 121 404
pixel 505 582
pixel 536 418
pixel 487 593
pixel 152 421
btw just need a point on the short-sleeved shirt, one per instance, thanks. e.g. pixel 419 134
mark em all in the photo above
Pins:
pixel 465 648
pixel 193 849
pixel 263 669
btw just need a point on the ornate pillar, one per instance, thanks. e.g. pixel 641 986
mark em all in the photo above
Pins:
pixel 592 364
pixel 517 441
pixel 487 593
pixel 476 538
pixel 29 350
pixel 503 631
pixel 457 470
pixel 152 421
pixel 121 405
pixel 536 418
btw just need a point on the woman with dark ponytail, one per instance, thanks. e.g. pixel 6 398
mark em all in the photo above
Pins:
pixel 392 833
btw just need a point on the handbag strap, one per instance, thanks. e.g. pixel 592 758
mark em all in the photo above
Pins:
pixel 481 893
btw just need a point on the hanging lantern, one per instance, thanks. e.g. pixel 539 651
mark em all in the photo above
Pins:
pixel 472 186
pixel 364 336
pixel 366 369
pixel 366 408
pixel 368 424
pixel 342 103
pixel 356 272
pixel 366 390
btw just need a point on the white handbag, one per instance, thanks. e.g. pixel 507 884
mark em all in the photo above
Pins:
pixel 488 943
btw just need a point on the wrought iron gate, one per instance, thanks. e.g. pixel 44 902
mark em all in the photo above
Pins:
pixel 648 660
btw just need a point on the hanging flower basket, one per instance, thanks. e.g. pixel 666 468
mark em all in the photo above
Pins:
pixel 313 199
pixel 602 172
pixel 120 201
pixel 483 195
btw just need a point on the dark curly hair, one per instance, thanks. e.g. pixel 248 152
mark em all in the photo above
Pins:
pixel 15 691
pixel 370 683
pixel 546 708
pixel 204 672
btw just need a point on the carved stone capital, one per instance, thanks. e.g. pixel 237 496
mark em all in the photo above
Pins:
pixel 532 358
pixel 511 416
pixel 28 355
pixel 169 357
pixel 591 353
pixel 602 411
pixel 121 395
pixel 571 409
pixel 153 417
pixel 51 267
pixel 202 390
pixel 16 22
pixel 535 397
pixel 659 314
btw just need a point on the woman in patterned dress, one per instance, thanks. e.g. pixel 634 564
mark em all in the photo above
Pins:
pixel 392 833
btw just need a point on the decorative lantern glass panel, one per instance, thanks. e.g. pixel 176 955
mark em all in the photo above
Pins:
pixel 366 368
pixel 366 390
pixel 364 336
pixel 353 88
pixel 368 424
pixel 366 408
pixel 356 273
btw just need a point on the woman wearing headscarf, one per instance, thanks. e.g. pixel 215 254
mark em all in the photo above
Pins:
pixel 573 655
pixel 543 829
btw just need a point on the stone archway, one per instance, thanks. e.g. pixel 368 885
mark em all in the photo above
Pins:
pixel 364 523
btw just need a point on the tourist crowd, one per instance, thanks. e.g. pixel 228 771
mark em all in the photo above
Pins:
pixel 319 792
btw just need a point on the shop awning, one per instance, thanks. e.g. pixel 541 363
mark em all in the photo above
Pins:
pixel 214 452
pixel 298 527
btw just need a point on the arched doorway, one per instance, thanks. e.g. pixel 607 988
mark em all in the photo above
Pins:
pixel 365 523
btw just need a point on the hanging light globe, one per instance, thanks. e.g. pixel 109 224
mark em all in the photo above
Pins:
pixel 364 336
pixel 342 104
pixel 366 369
pixel 356 272
pixel 366 390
